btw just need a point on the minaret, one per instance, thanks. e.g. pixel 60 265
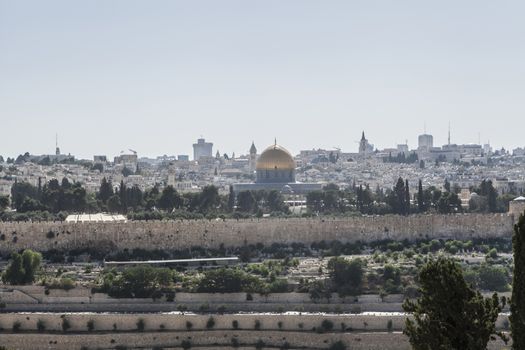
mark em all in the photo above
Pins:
pixel 57 150
pixel 253 157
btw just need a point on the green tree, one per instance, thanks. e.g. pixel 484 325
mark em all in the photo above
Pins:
pixel 20 191
pixel 4 202
pixel 246 202
pixel 275 202
pixel 407 198
pixel 137 282
pixel 169 199
pixel 446 186
pixel 225 280
pixel 517 305
pixel 231 199
pixel 22 267
pixel 346 275
pixel 398 198
pixel 421 207
pixel 450 314
pixel 114 204
pixel 123 194
pixel 209 199
pixel 448 203
pixel 106 190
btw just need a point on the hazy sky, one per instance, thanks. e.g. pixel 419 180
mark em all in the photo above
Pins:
pixel 155 75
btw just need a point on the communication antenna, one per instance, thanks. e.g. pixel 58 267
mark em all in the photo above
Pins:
pixel 449 133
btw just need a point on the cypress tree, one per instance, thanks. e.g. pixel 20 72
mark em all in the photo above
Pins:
pixel 420 197
pixel 231 199
pixel 407 198
pixel 517 305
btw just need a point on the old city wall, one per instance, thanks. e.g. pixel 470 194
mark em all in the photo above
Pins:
pixel 183 234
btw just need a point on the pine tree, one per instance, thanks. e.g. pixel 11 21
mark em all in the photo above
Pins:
pixel 517 305
pixel 450 314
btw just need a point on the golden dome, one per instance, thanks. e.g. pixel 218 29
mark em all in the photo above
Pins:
pixel 275 157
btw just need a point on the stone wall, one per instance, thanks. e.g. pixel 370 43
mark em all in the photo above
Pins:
pixel 362 331
pixel 180 234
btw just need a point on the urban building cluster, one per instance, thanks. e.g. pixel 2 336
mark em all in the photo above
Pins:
pixel 462 165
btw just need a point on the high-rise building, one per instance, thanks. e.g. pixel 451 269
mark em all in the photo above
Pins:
pixel 202 149
pixel 425 142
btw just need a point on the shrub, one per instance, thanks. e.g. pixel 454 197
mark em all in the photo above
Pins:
pixel 65 324
pixel 326 326
pixel 141 325
pixel 41 325
pixel 204 307
pixel 186 344
pixel 493 253
pixel 50 234
pixel 189 325
pixel 235 324
pixel 235 342
pixel 170 296
pixel 259 345
pixel 221 309
pixel 210 323
pixel 338 345
pixel 16 326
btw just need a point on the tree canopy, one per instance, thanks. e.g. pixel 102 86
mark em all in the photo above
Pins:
pixel 450 314
pixel 517 305
pixel 22 267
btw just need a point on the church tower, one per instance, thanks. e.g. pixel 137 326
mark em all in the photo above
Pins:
pixel 253 157
pixel 363 144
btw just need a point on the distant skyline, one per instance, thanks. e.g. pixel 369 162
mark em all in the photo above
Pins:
pixel 154 76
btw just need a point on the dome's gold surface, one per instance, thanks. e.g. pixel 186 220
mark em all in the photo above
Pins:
pixel 275 157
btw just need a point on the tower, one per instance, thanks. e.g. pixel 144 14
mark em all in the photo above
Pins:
pixel 57 150
pixel 363 144
pixel 253 157
pixel 202 149
pixel 449 133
